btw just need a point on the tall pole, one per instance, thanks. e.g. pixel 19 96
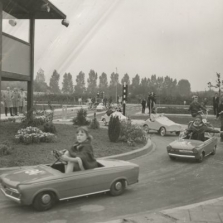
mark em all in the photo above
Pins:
pixel 116 98
pixel 0 55
pixel 30 82
pixel 124 97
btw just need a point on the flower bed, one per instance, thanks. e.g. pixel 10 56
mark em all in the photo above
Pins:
pixel 33 135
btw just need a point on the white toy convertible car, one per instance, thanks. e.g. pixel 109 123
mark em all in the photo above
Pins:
pixel 100 107
pixel 162 124
pixel 106 118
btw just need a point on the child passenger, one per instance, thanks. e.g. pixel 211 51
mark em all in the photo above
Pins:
pixel 80 156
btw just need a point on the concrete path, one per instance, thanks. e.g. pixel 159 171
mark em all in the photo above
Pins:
pixel 205 212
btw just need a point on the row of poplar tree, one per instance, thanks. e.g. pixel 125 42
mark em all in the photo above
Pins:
pixel 165 86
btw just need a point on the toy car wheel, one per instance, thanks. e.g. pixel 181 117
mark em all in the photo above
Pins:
pixel 172 157
pixel 44 201
pixel 117 188
pixel 214 150
pixel 162 131
pixel 146 128
pixel 200 160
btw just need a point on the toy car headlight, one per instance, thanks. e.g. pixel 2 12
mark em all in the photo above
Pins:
pixel 169 148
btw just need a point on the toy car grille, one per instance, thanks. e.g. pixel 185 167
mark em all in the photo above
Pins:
pixel 11 192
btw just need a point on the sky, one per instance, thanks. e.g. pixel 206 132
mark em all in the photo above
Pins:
pixel 182 39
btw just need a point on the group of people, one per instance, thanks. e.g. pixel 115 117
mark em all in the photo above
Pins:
pixel 150 103
pixel 14 101
pixel 197 108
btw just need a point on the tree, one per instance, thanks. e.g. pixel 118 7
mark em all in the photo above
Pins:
pixel 103 82
pixel 70 84
pixel 144 86
pixel 169 89
pixel 54 82
pixel 92 83
pixel 65 84
pixel 135 86
pixel 114 84
pixel 39 83
pixel 79 88
pixel 183 87
pixel 126 79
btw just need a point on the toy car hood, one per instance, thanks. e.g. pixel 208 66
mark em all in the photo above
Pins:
pixel 185 144
pixel 166 122
pixel 30 175
pixel 119 114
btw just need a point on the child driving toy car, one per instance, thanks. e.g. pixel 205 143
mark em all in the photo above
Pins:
pixel 197 128
pixel 80 156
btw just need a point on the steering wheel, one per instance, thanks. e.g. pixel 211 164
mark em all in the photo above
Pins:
pixel 58 155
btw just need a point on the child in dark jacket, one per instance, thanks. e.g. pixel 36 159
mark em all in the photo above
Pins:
pixel 80 156
pixel 197 129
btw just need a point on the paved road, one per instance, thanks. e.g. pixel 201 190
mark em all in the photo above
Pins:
pixel 163 184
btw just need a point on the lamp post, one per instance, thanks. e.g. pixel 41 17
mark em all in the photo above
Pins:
pixel 116 97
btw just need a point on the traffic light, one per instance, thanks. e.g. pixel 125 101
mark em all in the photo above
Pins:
pixel 125 92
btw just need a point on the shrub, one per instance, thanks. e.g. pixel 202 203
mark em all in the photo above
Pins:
pixel 114 128
pixel 5 148
pixel 132 134
pixel 33 135
pixel 81 118
pixel 49 127
pixel 94 123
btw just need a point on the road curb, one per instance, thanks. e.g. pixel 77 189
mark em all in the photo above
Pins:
pixel 190 206
pixel 123 156
pixel 133 154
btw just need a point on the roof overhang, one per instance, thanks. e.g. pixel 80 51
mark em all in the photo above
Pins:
pixel 26 9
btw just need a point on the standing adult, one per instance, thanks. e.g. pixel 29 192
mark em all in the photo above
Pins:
pixel 204 103
pixel 105 101
pixel 15 101
pixel 215 104
pixel 21 101
pixel 220 112
pixel 143 103
pixel 80 101
pixel 151 102
pixel 195 107
pixel 7 99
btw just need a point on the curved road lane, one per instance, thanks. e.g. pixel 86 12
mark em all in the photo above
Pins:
pixel 163 184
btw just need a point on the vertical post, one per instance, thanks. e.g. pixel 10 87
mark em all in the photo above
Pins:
pixel 0 57
pixel 30 82
pixel 116 96
pixel 124 97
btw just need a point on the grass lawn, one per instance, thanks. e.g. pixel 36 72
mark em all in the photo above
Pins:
pixel 41 153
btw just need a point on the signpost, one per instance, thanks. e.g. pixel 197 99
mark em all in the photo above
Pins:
pixel 124 96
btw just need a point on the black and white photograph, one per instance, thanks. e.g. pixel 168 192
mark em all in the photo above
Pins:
pixel 111 111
